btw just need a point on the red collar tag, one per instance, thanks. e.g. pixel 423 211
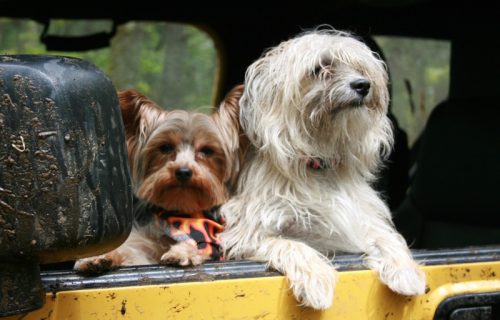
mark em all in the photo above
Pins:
pixel 317 164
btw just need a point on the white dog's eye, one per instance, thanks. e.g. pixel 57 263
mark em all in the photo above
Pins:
pixel 325 68
pixel 317 70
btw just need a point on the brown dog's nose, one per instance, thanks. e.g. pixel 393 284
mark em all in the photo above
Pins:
pixel 183 174
pixel 361 86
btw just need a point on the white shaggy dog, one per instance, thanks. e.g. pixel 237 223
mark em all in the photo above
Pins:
pixel 314 109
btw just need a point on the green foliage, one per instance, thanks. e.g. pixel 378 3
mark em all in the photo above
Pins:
pixel 173 64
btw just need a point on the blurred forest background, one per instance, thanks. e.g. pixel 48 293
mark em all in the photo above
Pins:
pixel 173 64
pixel 419 72
pixel 176 65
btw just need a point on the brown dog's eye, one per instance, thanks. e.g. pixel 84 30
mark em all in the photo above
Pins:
pixel 167 148
pixel 207 151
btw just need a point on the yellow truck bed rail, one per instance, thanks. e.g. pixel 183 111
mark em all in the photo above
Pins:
pixel 464 279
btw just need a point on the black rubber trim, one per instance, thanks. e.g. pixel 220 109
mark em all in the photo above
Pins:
pixel 471 300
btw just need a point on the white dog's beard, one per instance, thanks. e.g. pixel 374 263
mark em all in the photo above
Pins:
pixel 291 215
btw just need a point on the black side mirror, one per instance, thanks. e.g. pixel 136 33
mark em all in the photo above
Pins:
pixel 64 178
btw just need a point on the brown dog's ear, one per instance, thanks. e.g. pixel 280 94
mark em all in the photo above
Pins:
pixel 227 117
pixel 231 101
pixel 134 106
pixel 137 111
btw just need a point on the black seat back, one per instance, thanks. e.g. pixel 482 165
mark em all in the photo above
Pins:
pixel 454 198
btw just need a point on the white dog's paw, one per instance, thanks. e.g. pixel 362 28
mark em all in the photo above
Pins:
pixel 408 281
pixel 315 287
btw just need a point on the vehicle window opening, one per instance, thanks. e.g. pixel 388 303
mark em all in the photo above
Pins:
pixel 174 64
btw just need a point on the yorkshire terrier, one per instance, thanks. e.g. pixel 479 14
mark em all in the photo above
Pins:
pixel 314 109
pixel 183 165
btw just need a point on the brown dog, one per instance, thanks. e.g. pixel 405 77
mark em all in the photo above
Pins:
pixel 182 165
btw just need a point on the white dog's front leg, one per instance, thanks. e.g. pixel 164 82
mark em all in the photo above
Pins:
pixel 312 278
pixel 388 254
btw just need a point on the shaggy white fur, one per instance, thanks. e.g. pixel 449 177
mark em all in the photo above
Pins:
pixel 320 96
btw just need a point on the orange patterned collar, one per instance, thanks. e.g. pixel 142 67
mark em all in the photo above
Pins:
pixel 201 229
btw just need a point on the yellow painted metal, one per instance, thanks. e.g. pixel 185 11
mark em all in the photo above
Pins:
pixel 359 295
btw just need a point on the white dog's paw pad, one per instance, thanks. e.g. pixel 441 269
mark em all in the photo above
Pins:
pixel 316 289
pixel 408 282
pixel 318 300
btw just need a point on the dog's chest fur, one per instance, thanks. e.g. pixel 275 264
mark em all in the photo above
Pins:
pixel 317 211
pixel 320 230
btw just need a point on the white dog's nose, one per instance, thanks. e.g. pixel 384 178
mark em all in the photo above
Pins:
pixel 361 86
